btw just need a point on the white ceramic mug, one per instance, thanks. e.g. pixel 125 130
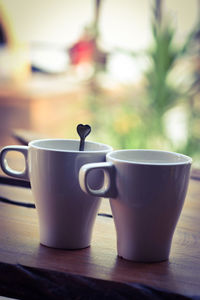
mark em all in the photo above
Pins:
pixel 147 189
pixel 66 214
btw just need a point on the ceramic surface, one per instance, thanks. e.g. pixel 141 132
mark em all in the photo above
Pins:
pixel 147 189
pixel 66 214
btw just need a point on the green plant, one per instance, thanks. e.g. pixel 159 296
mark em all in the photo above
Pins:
pixel 138 120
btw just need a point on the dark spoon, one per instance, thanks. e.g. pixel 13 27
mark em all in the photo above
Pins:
pixel 83 132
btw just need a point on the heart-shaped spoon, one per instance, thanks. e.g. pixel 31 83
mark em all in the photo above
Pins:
pixel 83 132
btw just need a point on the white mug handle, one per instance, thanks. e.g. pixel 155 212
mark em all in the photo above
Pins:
pixel 108 188
pixel 4 164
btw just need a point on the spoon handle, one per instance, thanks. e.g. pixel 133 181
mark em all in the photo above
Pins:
pixel 81 146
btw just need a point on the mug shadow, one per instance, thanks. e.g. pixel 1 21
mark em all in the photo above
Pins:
pixel 105 264
pixel 152 274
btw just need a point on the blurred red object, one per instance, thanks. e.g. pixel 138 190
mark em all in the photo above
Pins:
pixel 83 51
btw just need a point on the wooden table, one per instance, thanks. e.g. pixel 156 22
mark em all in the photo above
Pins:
pixel 19 244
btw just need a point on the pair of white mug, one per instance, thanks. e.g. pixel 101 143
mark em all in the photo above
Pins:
pixel 146 188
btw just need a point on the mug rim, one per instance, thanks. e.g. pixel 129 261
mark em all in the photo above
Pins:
pixel 33 144
pixel 187 159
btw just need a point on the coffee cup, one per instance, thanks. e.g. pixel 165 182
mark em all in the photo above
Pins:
pixel 66 214
pixel 147 189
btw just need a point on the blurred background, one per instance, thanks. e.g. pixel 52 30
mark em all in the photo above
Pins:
pixel 130 69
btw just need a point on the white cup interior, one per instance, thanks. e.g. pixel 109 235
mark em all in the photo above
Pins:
pixel 68 145
pixel 149 157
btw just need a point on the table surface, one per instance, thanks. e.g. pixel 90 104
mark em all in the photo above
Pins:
pixel 19 244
